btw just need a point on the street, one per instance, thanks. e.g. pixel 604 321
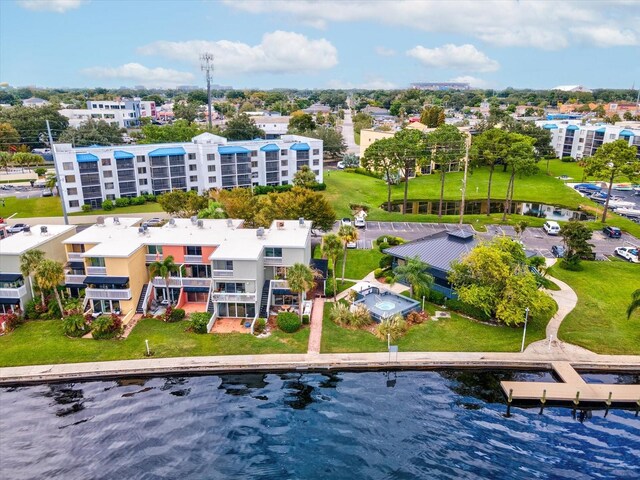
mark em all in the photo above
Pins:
pixel 347 134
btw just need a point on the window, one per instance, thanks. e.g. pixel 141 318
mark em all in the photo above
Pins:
pixel 284 173
pixel 254 174
pixel 154 249
pixel 223 264
pixel 254 164
pixel 96 261
pixel 316 151
pixel 72 191
pixel 612 136
pixel 211 157
pixel 67 166
pixel 284 163
pixel 193 178
pixel 316 162
pixel 211 168
pixel 581 140
pixel 212 179
pixel 140 159
pixel 142 170
pixel 273 252
pixel 70 178
pixel 106 162
pixel 283 152
pixel 192 250
pixel 107 174
pixel 108 186
pixel 254 153
pixel 193 168
pixel 192 156
pixel 111 197
pixel 142 181
pixel 317 172
pixel 74 203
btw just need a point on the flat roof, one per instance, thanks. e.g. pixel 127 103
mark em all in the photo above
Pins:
pixel 19 243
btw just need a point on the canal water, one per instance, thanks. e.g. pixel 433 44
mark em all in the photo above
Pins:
pixel 409 425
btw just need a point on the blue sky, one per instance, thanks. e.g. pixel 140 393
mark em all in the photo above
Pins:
pixel 320 44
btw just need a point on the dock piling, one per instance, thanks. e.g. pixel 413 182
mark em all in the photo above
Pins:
pixel 510 399
pixel 543 400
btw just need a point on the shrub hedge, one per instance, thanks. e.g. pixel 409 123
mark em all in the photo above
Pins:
pixel 288 322
pixel 199 321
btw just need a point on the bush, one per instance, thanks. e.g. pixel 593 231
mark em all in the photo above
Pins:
pixel 259 326
pixel 342 315
pixel 106 326
pixel 33 310
pixel 13 320
pixel 75 326
pixel 567 159
pixel 138 200
pixel 288 322
pixel 363 171
pixel 383 246
pixel 385 262
pixel 378 272
pixel 415 318
pixel 328 290
pixel 107 205
pixel 390 239
pixel 149 197
pixel 395 327
pixel 282 188
pixel 305 319
pixel 435 297
pixel 466 309
pixel 388 278
pixel 571 264
pixel 360 316
pixel 123 202
pixel 199 321
pixel 319 187
pixel 175 315
pixel 86 208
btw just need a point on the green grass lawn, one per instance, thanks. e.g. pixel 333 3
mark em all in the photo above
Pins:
pixel 31 207
pixel 456 334
pixel 599 321
pixel 149 207
pixel 359 263
pixel 42 342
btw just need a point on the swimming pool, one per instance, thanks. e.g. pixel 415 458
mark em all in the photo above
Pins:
pixel 383 303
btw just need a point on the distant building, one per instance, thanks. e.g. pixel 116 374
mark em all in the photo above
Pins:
pixel 274 127
pixel 375 111
pixel 122 113
pixel 35 102
pixel 441 86
pixel 572 88
pixel 317 108
pixel 148 109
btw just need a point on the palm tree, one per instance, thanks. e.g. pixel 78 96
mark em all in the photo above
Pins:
pixel 635 303
pixel 51 182
pixel 49 275
pixel 29 262
pixel 164 269
pixel 301 279
pixel 331 248
pixel 413 273
pixel 348 234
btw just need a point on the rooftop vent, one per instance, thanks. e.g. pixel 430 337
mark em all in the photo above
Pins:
pixel 27 229
pixel 301 221
pixel 229 223
pixel 116 221
pixel 260 232
pixel 140 230
pixel 279 224
pixel 194 219
pixel 145 227
pixel 100 221
pixel 200 223
pixel 44 230
pixel 172 222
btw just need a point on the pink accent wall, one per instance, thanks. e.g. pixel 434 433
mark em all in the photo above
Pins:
pixel 177 252
pixel 182 299
pixel 206 253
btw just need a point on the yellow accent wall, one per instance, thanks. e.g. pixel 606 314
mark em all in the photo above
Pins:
pixel 133 267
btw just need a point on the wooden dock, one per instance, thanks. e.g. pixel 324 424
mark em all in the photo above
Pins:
pixel 574 389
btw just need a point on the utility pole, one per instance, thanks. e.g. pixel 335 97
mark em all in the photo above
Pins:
pixel 58 179
pixel 207 67
pixel 467 144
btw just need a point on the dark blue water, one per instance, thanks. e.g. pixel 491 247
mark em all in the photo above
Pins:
pixel 304 426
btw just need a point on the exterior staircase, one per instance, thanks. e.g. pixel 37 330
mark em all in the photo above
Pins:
pixel 143 295
pixel 211 306
pixel 264 299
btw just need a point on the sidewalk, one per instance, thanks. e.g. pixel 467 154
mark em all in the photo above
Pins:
pixel 315 336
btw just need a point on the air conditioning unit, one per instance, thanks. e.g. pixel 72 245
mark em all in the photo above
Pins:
pixel 301 221
pixel 140 230
pixel 100 221
pixel 44 230
pixel 280 225
pixel 116 221
pixel 194 219
pixel 200 223
pixel 172 222
pixel 260 232
pixel 229 223
pixel 27 230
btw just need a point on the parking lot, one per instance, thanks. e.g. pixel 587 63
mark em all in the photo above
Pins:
pixel 24 190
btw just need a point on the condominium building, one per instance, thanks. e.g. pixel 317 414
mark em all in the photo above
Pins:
pixel 91 175
pixel 15 290
pixel 573 139
pixel 122 113
pixel 226 269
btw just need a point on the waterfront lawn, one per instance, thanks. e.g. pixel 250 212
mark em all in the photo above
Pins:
pixel 42 342
pixel 31 207
pixel 599 321
pixel 456 334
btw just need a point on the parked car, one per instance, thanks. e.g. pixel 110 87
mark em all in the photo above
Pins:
pixel 612 232
pixel 557 251
pixel 360 222
pixel 154 222
pixel 341 165
pixel 551 227
pixel 628 253
pixel 352 244
pixel 345 222
pixel 47 193
pixel 17 228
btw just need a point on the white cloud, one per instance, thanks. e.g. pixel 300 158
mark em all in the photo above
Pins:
pixel 459 57
pixel 141 75
pixel 525 23
pixel 473 81
pixel 279 52
pixel 385 52
pixel 58 6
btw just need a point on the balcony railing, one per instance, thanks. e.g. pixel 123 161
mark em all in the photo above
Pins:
pixel 152 257
pixel 223 273
pixel 77 279
pixel 96 270
pixel 233 297
pixel 177 282
pixel 108 294
pixel 18 292
pixel 273 260
pixel 279 284
pixel 193 259
pixel 75 255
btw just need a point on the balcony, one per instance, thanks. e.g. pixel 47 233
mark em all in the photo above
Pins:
pixel 177 282
pixel 272 261
pixel 233 297
pixel 96 270
pixel 193 259
pixel 223 273
pixel 153 257
pixel 18 292
pixel 108 294
pixel 75 255
pixel 74 279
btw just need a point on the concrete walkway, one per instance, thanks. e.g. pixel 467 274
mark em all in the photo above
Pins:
pixel 315 335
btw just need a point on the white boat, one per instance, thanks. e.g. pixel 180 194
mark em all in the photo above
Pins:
pixel 620 204
pixel 628 212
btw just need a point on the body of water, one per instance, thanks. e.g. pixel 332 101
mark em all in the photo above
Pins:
pixel 409 425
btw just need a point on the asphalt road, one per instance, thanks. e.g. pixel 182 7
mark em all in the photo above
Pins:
pixel 348 135
pixel 21 192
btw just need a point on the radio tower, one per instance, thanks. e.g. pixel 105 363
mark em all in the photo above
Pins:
pixel 206 66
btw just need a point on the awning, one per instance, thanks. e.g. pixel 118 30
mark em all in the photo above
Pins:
pixel 272 147
pixel 86 157
pixel 196 289
pixel 300 147
pixel 550 126
pixel 9 301
pixel 75 285
pixel 97 280
pixel 122 155
pixel 573 127
pixel 75 265
pixel 283 291
pixel 10 277
pixel 626 133
pixel 230 150
pixel 165 152
pixel 601 130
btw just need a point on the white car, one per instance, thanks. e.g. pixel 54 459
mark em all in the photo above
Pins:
pixel 341 165
pixel 628 253
pixel 360 222
pixel 352 245
pixel 551 227
pixel 345 222
pixel 17 228
pixel 154 222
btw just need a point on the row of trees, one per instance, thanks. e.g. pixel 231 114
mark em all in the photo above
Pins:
pixel 304 124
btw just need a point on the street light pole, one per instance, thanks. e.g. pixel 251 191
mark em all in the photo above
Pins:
pixel 467 144
pixel 58 179
pixel 524 333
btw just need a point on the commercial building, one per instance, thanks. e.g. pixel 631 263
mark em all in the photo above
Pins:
pixel 91 175
pixel 15 290
pixel 225 269
pixel 441 86
pixel 571 138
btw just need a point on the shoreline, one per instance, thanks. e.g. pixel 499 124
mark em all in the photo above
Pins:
pixel 40 374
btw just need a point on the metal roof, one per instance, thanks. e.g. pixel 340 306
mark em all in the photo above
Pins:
pixel 437 250
pixel 272 147
pixel 300 147
pixel 228 150
pixel 122 155
pixel 165 152
pixel 86 157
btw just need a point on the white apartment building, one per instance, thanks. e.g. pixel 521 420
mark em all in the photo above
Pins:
pixel 148 109
pixel 91 175
pixel 273 127
pixel 570 138
pixel 123 113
